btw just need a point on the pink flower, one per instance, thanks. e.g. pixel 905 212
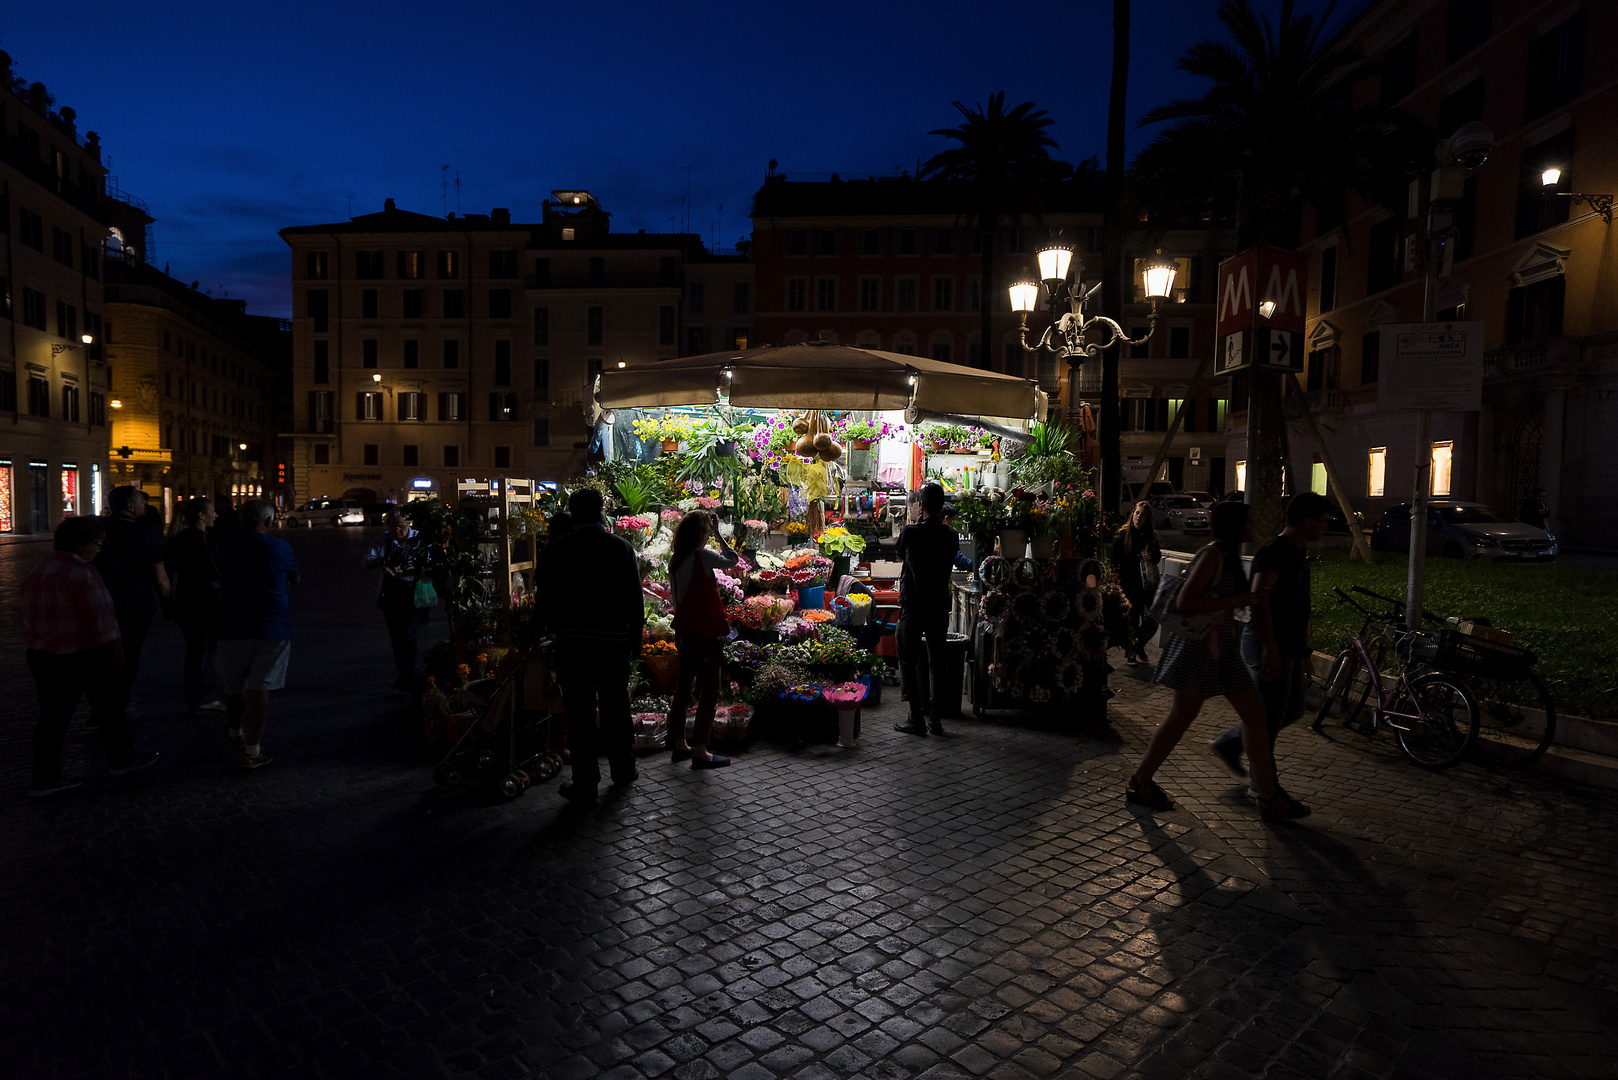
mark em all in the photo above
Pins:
pixel 707 503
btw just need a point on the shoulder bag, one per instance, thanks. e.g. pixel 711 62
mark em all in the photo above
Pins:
pixel 1165 607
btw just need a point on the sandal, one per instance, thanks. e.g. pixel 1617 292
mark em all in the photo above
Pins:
pixel 1147 793
pixel 679 754
pixel 1281 807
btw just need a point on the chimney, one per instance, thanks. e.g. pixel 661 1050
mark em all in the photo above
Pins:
pixel 501 215
pixel 387 204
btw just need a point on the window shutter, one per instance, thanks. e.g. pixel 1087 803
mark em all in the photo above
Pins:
pixel 359 406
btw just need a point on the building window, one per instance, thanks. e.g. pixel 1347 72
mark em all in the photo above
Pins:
pixel 797 294
pixel 593 366
pixel 1384 265
pixel 452 456
pixel 1323 365
pixel 1012 359
pixel 1461 107
pixel 737 338
pixel 368 304
pixel 1179 342
pixel 870 298
pixel 502 406
pixel 411 266
pixel 542 326
pixel 368 264
pixel 943 242
pixel 412 454
pixel 410 304
pixel 499 303
pixel 1555 67
pixel 1535 311
pixel 696 341
pixel 314 266
pixel 742 300
pixel 826 294
pixel 98 408
pixel 1399 70
pixel 542 374
pixel 369 453
pixel 828 242
pixel 597 271
pixel 451 406
pixel 906 288
pixel 696 296
pixel 1540 207
pixel 67 320
pixel 452 353
pixel 942 351
pixel 368 405
pixel 797 242
pixel 1328 279
pixel 454 303
pixel 502 264
pixel 322 364
pixel 30 229
pixel 502 457
pixel 410 353
pixel 1376 472
pixel 1370 357
pixel 317 302
pixel 322 454
pixel 943 294
pixel 907 241
pixel 62 246
pixel 1141 350
pixel 542 432
pixel 410 406
pixel 542 274
pixel 70 404
pixel 1468 27
pixel 870 242
pixel 320 410
pixel 33 308
pixel 1443 466
pixel 594 317
pixel 974 294
pixel 369 349
pixel 502 362
pixel 1241 476
pixel 665 326
pixel 449 265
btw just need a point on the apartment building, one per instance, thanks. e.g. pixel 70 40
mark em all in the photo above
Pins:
pixel 427 349
pixel 194 388
pixel 53 376
pixel 1534 262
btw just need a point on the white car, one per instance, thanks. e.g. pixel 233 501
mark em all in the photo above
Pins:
pixel 1180 512
pixel 1204 499
pixel 332 512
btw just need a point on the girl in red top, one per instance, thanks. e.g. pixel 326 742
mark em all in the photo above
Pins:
pixel 700 629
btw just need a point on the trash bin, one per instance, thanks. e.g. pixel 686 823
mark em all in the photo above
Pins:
pixel 951 680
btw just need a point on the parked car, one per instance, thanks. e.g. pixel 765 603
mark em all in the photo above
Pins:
pixel 1132 493
pixel 1180 512
pixel 1205 499
pixel 1464 530
pixel 332 512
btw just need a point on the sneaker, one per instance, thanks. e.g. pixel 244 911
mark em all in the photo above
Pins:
pixel 52 789
pixel 233 735
pixel 141 761
pixel 1230 755
pixel 251 762
pixel 215 704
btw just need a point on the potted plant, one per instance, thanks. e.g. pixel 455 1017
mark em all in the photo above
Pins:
pixel 860 434
pixel 666 430
pixel 839 545
pixel 1015 526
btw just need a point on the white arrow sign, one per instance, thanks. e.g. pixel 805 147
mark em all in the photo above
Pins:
pixel 1280 348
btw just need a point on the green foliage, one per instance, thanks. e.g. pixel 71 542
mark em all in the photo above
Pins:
pixel 1046 457
pixel 1566 614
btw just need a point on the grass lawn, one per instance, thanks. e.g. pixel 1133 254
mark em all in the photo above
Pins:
pixel 1567 614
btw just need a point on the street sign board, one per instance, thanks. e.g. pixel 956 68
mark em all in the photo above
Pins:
pixel 1266 347
pixel 1231 353
pixel 1257 275
pixel 1436 366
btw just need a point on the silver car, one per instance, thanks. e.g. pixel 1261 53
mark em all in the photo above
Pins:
pixel 1465 530
pixel 324 512
pixel 1180 512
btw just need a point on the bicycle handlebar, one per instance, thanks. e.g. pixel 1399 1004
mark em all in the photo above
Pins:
pixel 1398 605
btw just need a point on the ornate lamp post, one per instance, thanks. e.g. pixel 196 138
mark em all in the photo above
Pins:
pixel 1075 337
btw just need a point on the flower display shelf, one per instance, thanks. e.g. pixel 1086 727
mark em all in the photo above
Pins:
pixel 1040 638
pixel 510 557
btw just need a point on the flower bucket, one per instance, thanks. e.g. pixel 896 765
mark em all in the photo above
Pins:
pixel 1042 547
pixel 859 444
pixel 839 570
pixel 813 596
pixel 662 671
pixel 670 445
pixel 1013 543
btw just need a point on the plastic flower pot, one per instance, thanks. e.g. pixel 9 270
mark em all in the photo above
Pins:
pixel 812 596
pixel 670 445
pixel 1013 543
pixel 1042 547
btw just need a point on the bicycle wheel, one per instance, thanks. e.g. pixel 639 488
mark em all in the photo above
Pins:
pixel 1333 688
pixel 1355 695
pixel 1438 722
pixel 1516 719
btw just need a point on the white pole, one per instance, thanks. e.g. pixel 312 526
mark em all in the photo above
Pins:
pixel 1416 582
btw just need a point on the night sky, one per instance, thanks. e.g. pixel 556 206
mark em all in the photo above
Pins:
pixel 232 121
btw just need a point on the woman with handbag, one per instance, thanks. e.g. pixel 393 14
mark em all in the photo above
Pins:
pixel 1135 555
pixel 407 592
pixel 700 629
pixel 1198 668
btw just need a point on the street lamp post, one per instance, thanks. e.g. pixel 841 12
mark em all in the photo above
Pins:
pixel 1070 335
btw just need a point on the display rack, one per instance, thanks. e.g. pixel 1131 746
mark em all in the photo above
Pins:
pixel 509 557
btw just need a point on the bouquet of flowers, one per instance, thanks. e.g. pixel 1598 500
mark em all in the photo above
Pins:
pixel 820 567
pixel 730 590
pixel 766 610
pixel 660 629
pixel 796 629
pixel 839 541
pixel 670 516
pixel 743 655
pixel 796 530
pixel 652 649
pixel 773 579
pixel 802 692
pixel 755 526
pixel 804 578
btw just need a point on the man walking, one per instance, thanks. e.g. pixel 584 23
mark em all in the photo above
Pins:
pixel 1276 648
pixel 255 626
pixel 73 647
pixel 589 583
pixel 928 549
pixel 131 564
pixel 402 556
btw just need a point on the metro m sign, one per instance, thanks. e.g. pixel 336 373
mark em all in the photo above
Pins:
pixel 1258 274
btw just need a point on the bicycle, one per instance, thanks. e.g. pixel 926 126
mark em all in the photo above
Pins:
pixel 1433 715
pixel 1516 712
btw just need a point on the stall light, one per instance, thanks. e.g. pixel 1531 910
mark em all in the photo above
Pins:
pixel 1053 263
pixel 622 364
pixel 1159 276
pixel 116 403
pixel 1551 177
pixel 1024 297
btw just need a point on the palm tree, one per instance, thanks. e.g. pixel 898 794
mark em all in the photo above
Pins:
pixel 1274 131
pixel 1003 161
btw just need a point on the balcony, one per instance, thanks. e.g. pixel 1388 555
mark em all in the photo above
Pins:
pixel 1319 402
pixel 1531 358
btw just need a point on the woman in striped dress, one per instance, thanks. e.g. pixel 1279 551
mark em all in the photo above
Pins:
pixel 1215 584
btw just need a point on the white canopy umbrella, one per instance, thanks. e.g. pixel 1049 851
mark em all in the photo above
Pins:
pixel 820 375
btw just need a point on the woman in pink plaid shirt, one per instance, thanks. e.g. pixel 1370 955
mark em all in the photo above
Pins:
pixel 73 645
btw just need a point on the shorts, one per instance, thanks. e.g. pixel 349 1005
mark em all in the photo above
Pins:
pixel 252 664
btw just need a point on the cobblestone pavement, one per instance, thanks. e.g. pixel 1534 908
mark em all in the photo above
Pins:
pixel 984 905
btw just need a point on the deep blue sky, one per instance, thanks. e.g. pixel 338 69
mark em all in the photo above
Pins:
pixel 235 120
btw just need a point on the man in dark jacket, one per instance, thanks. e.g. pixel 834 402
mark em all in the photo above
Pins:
pixel 928 549
pixel 402 555
pixel 131 564
pixel 590 602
